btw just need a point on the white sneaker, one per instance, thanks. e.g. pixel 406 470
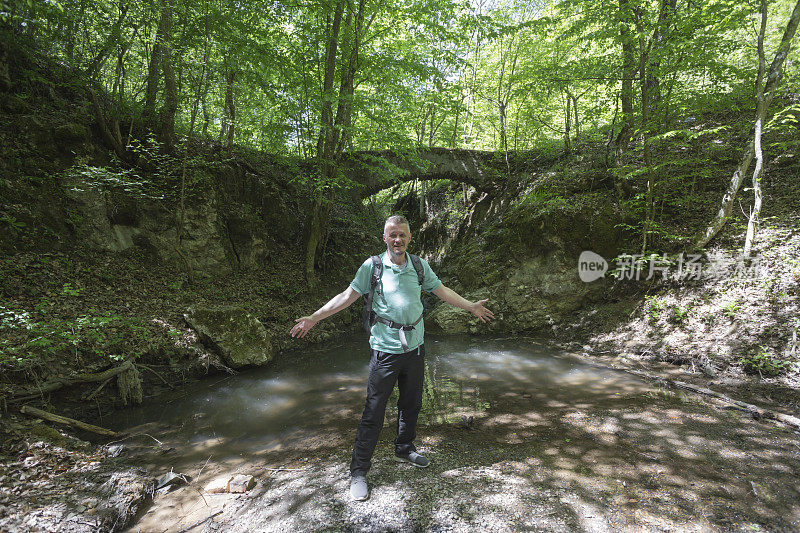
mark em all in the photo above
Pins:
pixel 359 490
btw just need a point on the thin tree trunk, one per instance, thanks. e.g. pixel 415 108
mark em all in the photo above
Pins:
pixel 230 107
pixel 773 77
pixel 577 121
pixel 111 42
pixel 72 31
pixel 111 137
pixel 752 224
pixel 182 212
pixel 454 137
pixel 199 95
pixel 344 111
pixel 58 419
pixel 170 87
pixel 567 121
pixel 153 69
pixel 325 168
pixel 628 69
pixel 206 117
pixel 651 97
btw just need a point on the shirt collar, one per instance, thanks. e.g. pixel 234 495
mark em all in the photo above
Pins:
pixel 388 262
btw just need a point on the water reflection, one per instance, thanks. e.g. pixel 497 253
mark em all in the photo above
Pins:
pixel 467 376
pixel 320 395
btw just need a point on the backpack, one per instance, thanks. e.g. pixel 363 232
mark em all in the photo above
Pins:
pixel 368 316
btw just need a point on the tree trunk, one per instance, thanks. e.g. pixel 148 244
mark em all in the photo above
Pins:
pixel 153 69
pixel 344 110
pixel 773 77
pixel 206 117
pixel 325 168
pixel 199 95
pixel 58 419
pixel 567 121
pixel 577 121
pixel 454 137
pixel 230 106
pixel 113 138
pixel 72 31
pixel 111 42
pixel 752 224
pixel 649 65
pixel 170 88
pixel 574 99
pixel 628 70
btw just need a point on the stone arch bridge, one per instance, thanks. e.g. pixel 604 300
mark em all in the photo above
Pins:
pixel 376 170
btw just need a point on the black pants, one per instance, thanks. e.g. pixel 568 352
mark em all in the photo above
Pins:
pixel 408 371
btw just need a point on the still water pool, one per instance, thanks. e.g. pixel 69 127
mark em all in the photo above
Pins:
pixel 318 395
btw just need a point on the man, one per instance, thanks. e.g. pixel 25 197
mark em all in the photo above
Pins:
pixel 396 342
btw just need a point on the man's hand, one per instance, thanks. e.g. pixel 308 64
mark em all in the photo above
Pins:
pixel 303 325
pixel 480 311
pixel 450 296
pixel 334 305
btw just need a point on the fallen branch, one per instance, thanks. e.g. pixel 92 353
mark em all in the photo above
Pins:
pixel 58 383
pixel 754 410
pixel 135 435
pixel 159 376
pixel 97 390
pixel 58 419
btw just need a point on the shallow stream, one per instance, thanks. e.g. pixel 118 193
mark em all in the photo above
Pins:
pixel 521 436
pixel 268 410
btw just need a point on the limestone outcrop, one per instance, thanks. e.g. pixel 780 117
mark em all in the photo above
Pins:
pixel 238 337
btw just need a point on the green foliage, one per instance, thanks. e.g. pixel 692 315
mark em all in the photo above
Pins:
pixel 653 308
pixel 679 314
pixel 33 342
pixel 86 177
pixel 16 226
pixel 69 290
pixel 729 309
pixel 764 363
pixel 785 125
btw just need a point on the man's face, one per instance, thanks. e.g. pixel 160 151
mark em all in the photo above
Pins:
pixel 396 237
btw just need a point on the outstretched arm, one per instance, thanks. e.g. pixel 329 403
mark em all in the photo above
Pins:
pixel 343 300
pixel 453 298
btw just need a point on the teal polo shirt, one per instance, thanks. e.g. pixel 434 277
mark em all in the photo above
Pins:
pixel 397 298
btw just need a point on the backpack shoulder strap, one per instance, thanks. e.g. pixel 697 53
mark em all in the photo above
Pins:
pixel 377 272
pixel 417 262
pixel 374 279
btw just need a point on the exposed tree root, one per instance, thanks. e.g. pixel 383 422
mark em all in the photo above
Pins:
pixel 61 382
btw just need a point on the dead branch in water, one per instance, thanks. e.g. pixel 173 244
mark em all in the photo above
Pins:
pixel 58 419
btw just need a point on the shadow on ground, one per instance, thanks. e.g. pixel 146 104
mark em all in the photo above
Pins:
pixel 626 457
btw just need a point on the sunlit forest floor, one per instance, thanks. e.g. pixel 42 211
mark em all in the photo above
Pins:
pixel 632 459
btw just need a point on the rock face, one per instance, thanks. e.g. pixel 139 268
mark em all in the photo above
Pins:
pixel 526 264
pixel 239 338
pixel 536 295
pixel 214 239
